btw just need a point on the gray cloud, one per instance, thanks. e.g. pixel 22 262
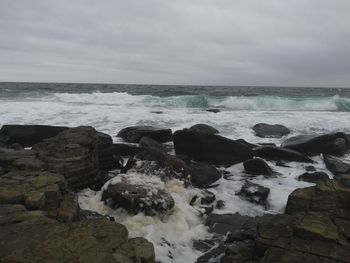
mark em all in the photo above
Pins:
pixel 223 42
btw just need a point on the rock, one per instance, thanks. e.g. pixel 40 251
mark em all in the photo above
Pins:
pixel 254 193
pixel 1 171
pixel 73 153
pixel 147 142
pixel 69 210
pixel 138 197
pixel 28 135
pixel 280 154
pixel 208 198
pixel 336 165
pixel 334 144
pixel 121 149
pixel 29 163
pixel 9 156
pixel 135 133
pixel 314 177
pixel 136 250
pixel 157 112
pixel 248 144
pixel 310 168
pixel 220 204
pixel 265 130
pixel 16 146
pixel 213 110
pixel 257 166
pixel 204 128
pixel 105 151
pixel 203 175
pixel 210 148
pixel 86 241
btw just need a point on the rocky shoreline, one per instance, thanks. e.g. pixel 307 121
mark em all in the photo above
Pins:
pixel 43 167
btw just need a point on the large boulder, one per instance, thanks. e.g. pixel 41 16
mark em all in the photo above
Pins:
pixel 73 153
pixel 144 194
pixel 28 135
pixel 265 130
pixel 135 133
pixel 204 128
pixel 203 175
pixel 336 165
pixel 210 148
pixel 334 144
pixel 257 166
pixel 280 154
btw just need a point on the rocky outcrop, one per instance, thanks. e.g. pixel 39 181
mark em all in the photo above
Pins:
pixel 210 148
pixel 254 193
pixel 257 166
pixel 336 165
pixel 28 135
pixel 135 133
pixel 265 130
pixel 135 197
pixel 334 144
pixel 280 154
pixel 203 175
pixel 203 128
pixel 314 177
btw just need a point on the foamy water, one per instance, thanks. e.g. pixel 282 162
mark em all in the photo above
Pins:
pixel 173 235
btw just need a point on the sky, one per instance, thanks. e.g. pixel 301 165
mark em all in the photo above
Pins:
pixel 195 42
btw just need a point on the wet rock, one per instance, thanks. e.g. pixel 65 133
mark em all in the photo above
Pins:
pixel 105 150
pixel 138 197
pixel 265 130
pixel 135 133
pixel 254 193
pixel 212 254
pixel 147 142
pixel 69 210
pixel 240 252
pixel 248 144
pixel 220 204
pixel 280 154
pixel 314 177
pixel 208 198
pixel 73 153
pixel 29 163
pixel 203 175
pixel 310 168
pixel 136 250
pixel 213 110
pixel 334 144
pixel 28 135
pixel 210 148
pixel 336 165
pixel 16 146
pixel 257 166
pixel 204 128
pixel 122 149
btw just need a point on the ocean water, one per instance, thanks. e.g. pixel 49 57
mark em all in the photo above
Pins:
pixel 110 108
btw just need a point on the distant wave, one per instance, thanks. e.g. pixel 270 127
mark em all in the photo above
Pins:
pixel 249 103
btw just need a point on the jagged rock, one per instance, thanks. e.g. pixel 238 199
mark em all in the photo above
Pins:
pixel 314 177
pixel 203 175
pixel 73 153
pixel 334 144
pixel 28 135
pixel 138 197
pixel 135 133
pixel 254 193
pixel 122 149
pixel 147 142
pixel 210 148
pixel 280 154
pixel 86 241
pixel 257 166
pixel 336 165
pixel 265 130
pixel 203 128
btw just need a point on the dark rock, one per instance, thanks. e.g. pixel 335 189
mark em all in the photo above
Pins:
pixel 28 135
pixel 315 177
pixel 310 168
pixel 248 144
pixel 257 166
pixel 157 112
pixel 240 252
pixel 193 200
pixel 208 198
pixel 1 171
pixel 137 198
pixel 336 165
pixel 105 151
pixel 203 175
pixel 280 154
pixel 254 193
pixel 204 128
pixel 147 142
pixel 16 146
pixel 265 130
pixel 135 133
pixel 210 148
pixel 73 153
pixel 220 204
pixel 213 110
pixel 122 149
pixel 334 144
pixel 129 164
pixel 212 254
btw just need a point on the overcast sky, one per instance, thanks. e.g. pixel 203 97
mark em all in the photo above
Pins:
pixel 223 42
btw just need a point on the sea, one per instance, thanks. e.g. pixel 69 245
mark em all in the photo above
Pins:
pixel 111 107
